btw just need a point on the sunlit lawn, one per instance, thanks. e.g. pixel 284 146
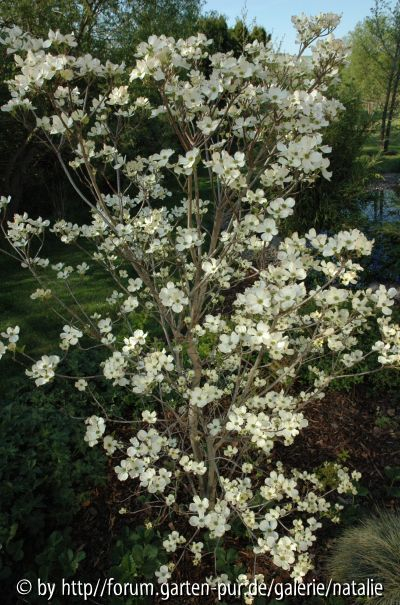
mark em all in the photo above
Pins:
pixel 390 162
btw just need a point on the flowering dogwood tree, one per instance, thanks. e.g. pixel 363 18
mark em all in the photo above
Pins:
pixel 221 387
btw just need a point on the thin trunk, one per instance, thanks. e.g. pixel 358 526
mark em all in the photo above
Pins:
pixel 391 110
pixel 194 412
pixel 390 99
pixel 212 471
pixel 385 110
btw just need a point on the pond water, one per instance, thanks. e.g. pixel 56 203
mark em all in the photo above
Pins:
pixel 380 210
pixel 382 206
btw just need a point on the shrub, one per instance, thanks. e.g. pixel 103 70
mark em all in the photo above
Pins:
pixel 219 378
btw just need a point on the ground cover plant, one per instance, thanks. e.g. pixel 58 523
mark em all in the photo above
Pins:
pixel 234 316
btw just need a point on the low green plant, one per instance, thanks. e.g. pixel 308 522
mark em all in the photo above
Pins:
pixel 59 556
pixel 383 422
pixel 135 556
pixel 392 485
pixel 370 550
pixel 45 479
pixel 228 562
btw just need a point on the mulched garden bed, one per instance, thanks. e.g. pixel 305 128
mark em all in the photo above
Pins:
pixel 358 429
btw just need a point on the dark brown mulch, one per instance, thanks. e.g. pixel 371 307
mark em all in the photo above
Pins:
pixel 348 427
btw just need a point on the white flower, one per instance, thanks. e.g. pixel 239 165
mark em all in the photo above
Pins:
pixel 173 297
pixel 149 417
pixel 81 384
pixel 114 368
pixel 3 349
pixel 134 284
pixel 187 162
pixel 199 507
pixel 351 359
pixel 69 337
pixel 134 342
pixel 228 342
pixel 82 268
pixel 110 444
pixel 123 470
pixel 201 396
pixel 105 325
pixel 214 427
pixel 95 427
pixel 283 552
pixel 163 574
pixel 41 294
pixel 43 370
pixel 12 336
pixel 118 96
pixel 173 541
pixel 207 125
pixel 227 167
pixel 129 304
pixel 4 201
pixel 267 228
pixel 196 548
pixel 187 238
pixel 281 208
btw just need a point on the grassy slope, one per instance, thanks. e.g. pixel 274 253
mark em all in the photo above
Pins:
pixel 39 325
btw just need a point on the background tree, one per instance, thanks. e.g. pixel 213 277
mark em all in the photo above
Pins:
pixel 375 62
pixel 226 38
pixel 328 203
pixel 139 19
pixel 103 28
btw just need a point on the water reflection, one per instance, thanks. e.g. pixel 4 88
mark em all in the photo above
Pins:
pixel 382 206
pixel 381 212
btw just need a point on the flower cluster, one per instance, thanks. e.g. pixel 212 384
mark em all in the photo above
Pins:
pixel 95 427
pixel 43 371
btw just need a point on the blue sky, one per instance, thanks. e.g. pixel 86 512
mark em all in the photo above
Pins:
pixel 275 15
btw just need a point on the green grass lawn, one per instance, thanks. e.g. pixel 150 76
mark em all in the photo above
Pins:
pixel 39 325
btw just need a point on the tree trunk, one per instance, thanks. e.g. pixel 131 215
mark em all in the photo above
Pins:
pixel 194 413
pixel 391 110
pixel 385 110
pixel 390 99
